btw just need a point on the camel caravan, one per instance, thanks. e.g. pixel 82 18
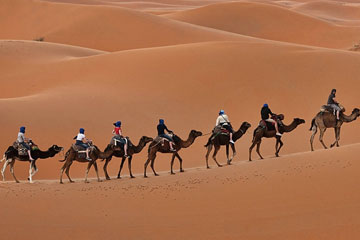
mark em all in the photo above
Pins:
pixel 331 115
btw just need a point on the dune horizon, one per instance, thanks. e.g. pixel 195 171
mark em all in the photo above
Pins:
pixel 70 64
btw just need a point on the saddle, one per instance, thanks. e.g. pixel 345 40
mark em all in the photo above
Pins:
pixel 118 141
pixel 162 140
pixel 270 126
pixel 22 151
pixel 327 108
pixel 81 151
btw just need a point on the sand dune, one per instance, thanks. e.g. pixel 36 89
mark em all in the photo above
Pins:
pixel 337 12
pixel 97 27
pixel 303 196
pixel 92 92
pixel 101 62
pixel 270 22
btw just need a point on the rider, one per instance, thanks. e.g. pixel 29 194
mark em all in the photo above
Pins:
pixel 118 134
pixel 161 133
pixel 21 139
pixel 223 121
pixel 333 103
pixel 81 141
pixel 266 115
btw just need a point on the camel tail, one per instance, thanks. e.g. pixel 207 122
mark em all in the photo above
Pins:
pixel 312 124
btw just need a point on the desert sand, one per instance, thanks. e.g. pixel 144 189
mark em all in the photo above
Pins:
pixel 138 61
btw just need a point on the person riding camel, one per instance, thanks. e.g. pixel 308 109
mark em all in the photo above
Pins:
pixel 223 121
pixel 266 115
pixel 22 140
pixel 81 140
pixel 119 136
pixel 334 104
pixel 161 127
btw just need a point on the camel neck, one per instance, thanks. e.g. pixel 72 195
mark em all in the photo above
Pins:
pixel 289 128
pixel 188 142
pixel 139 147
pixel 349 118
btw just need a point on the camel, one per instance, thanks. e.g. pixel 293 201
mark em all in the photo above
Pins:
pixel 261 132
pixel 324 120
pixel 156 146
pixel 95 153
pixel 222 139
pixel 131 151
pixel 11 155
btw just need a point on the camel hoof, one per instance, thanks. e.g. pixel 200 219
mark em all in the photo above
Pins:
pixel 172 173
pixel 181 170
pixel 145 176
pixel 207 167
pixel 17 182
pixel 250 160
pixel 61 183
pixel 99 180
pixel 118 177
pixel 219 165
pixel 156 175
pixel 71 181
pixel 108 179
pixel 87 182
pixel 132 176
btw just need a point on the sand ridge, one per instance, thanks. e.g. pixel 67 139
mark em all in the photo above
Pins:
pixel 139 61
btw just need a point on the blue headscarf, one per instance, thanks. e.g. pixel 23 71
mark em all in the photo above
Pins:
pixel 161 121
pixel 117 124
pixel 82 131
pixel 266 105
pixel 221 112
pixel 22 129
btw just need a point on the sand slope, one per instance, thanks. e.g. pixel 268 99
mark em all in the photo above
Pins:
pixel 97 27
pixel 270 22
pixel 101 63
pixel 93 92
pixel 302 196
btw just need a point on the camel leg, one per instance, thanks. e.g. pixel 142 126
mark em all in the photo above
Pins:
pixel 145 166
pixel 314 131
pixel 67 171
pixel 180 161
pixel 278 141
pixel 97 172
pixel 172 164
pixel 129 165
pixel 62 172
pixel 258 149
pixel 337 137
pixel 87 171
pixel 121 166
pixel 227 153
pixel 4 168
pixel 233 153
pixel 322 131
pixel 12 170
pixel 214 154
pixel 30 171
pixel 209 148
pixel 152 166
pixel 251 148
pixel 35 169
pixel 105 168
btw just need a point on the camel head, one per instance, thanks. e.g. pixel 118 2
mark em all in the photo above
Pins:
pixel 245 125
pixel 356 111
pixel 299 121
pixel 146 139
pixel 195 133
pixel 56 148
pixel 281 117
